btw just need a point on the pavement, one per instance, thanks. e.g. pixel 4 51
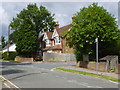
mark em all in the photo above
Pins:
pixel 38 75
pixel 114 75
pixel 72 65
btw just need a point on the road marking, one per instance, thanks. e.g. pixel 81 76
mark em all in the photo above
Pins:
pixel 114 82
pixel 6 85
pixel 10 82
pixel 82 83
pixel 52 69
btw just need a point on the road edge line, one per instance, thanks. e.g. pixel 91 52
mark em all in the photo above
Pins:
pixel 10 82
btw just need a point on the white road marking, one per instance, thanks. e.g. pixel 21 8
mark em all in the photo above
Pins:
pixel 83 84
pixel 6 85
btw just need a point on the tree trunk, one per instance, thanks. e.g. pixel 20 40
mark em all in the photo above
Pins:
pixel 85 57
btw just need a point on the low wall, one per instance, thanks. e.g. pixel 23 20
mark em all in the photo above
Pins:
pixel 118 68
pixel 102 66
pixel 26 60
pixel 58 57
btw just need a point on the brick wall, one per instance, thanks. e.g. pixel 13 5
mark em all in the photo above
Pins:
pixel 58 57
pixel 118 68
pixel 66 48
pixel 26 60
pixel 102 66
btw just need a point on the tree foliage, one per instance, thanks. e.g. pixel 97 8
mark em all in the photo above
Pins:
pixel 27 26
pixel 27 39
pixel 3 41
pixel 40 17
pixel 90 23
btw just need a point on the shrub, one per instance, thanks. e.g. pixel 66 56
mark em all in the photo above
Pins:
pixel 0 55
pixel 12 55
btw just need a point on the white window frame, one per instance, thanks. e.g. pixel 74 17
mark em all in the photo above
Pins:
pixel 58 41
pixel 53 42
pixel 49 51
pixel 48 42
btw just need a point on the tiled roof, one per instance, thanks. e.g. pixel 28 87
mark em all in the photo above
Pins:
pixel 52 48
pixel 59 30
pixel 62 29
pixel 49 34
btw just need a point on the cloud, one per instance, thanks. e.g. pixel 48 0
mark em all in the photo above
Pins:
pixel 63 19
pixel 4 16
pixel 63 11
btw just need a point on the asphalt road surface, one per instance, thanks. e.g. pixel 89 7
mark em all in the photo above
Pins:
pixel 39 75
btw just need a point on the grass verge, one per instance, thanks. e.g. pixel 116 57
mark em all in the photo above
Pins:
pixel 0 79
pixel 12 61
pixel 90 74
pixel 56 61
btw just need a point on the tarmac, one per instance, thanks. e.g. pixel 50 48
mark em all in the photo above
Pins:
pixel 74 67
pixel 114 75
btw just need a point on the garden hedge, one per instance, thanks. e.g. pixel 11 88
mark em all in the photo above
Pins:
pixel 12 55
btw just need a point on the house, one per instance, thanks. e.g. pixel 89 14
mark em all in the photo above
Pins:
pixel 11 48
pixel 55 43
pixel 41 45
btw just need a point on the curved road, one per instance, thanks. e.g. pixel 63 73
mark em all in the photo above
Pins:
pixel 38 75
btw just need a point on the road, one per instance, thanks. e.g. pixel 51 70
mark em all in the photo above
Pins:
pixel 39 75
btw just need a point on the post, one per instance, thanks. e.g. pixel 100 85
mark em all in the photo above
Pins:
pixel 8 42
pixel 96 40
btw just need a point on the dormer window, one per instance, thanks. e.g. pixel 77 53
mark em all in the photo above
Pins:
pixel 58 40
pixel 48 42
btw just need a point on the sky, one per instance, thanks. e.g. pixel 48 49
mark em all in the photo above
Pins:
pixel 63 10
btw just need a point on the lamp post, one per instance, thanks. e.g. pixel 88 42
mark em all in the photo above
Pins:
pixel 8 42
pixel 96 40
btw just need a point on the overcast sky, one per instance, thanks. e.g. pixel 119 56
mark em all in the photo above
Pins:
pixel 63 11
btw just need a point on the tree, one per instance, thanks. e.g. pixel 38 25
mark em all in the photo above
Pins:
pixel 12 37
pixel 26 43
pixel 40 17
pixel 3 41
pixel 90 23
pixel 28 24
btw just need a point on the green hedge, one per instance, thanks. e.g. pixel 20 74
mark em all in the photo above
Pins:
pixel 0 55
pixel 12 55
pixel 105 48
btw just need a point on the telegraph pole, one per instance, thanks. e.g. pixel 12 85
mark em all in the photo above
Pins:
pixel 8 42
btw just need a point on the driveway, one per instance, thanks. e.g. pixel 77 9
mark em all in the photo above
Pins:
pixel 38 75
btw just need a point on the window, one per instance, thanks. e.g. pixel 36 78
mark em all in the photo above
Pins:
pixel 49 51
pixel 40 45
pixel 48 42
pixel 53 42
pixel 58 40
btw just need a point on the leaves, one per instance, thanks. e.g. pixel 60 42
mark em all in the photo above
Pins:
pixel 27 25
pixel 3 41
pixel 90 23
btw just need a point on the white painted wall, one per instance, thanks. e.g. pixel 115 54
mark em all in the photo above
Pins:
pixel 55 34
pixel 11 48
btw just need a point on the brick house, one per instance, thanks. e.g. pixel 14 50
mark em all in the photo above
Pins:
pixel 41 45
pixel 55 42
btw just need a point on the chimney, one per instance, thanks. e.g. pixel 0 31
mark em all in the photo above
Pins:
pixel 73 17
pixel 45 29
pixel 57 25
